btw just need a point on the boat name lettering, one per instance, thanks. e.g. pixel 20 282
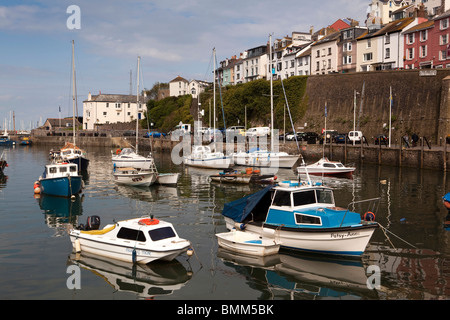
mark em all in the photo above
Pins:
pixel 343 235
pixel 141 252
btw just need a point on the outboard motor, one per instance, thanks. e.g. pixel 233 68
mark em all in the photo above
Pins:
pixel 92 223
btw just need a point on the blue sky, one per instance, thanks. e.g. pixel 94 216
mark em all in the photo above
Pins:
pixel 172 37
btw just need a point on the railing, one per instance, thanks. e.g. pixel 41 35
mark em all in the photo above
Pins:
pixel 372 206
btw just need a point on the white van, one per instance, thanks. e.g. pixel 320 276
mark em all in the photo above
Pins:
pixel 355 136
pixel 257 132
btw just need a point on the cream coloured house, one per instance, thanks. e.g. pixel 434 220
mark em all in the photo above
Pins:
pixel 178 87
pixel 112 108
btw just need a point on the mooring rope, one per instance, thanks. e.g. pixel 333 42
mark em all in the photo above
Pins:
pixel 386 230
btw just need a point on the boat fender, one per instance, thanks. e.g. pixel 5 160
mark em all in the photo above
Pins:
pixel 369 216
pixel 148 221
pixel 240 226
pixel 77 246
pixel 190 252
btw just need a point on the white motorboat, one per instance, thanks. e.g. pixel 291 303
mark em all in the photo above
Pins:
pixel 135 177
pixel 327 168
pixel 265 158
pixel 247 243
pixel 170 179
pixel 138 240
pixel 129 158
pixel 203 157
pixel 304 217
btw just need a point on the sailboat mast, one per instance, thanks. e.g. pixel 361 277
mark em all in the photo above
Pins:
pixel 73 90
pixel 214 96
pixel 271 92
pixel 137 104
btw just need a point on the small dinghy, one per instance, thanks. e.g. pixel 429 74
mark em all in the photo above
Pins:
pixel 247 243
pixel 138 240
pixel 170 179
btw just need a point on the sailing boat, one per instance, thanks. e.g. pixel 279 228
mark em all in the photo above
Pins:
pixel 203 156
pixel 70 152
pixel 264 158
pixel 130 167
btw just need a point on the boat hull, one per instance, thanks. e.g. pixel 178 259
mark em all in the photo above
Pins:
pixel 231 178
pixel 82 162
pixel 247 243
pixel 211 163
pixel 265 160
pixel 137 180
pixel 142 255
pixel 62 186
pixel 345 241
pixel 144 164
pixel 168 178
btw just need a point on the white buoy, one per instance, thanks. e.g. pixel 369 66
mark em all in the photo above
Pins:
pixel 190 252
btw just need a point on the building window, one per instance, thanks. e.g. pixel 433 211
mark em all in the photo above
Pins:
pixel 369 43
pixel 410 38
pixel 444 24
pixel 347 59
pixel 410 53
pixel 443 39
pixel 423 51
pixel 443 55
pixel 388 53
pixel 387 38
pixel 368 56
pixel 423 35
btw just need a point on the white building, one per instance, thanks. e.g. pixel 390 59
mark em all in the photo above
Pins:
pixel 196 87
pixel 178 87
pixel 112 108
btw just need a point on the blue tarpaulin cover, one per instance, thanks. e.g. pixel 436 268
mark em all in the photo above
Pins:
pixel 446 197
pixel 238 210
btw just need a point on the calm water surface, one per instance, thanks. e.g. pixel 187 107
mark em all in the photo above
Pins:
pixel 35 250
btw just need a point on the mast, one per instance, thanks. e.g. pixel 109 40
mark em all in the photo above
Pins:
pixel 271 92
pixel 73 90
pixel 214 96
pixel 137 104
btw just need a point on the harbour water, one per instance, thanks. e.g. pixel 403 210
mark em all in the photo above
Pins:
pixel 412 258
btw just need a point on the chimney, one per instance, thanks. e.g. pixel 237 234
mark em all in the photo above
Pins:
pixel 89 97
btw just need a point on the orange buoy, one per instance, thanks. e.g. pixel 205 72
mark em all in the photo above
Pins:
pixel 36 187
pixel 148 221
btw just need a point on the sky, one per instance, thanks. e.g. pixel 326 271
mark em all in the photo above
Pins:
pixel 173 38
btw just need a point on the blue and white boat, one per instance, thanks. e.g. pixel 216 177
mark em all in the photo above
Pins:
pixel 304 217
pixel 61 179
pixel 203 157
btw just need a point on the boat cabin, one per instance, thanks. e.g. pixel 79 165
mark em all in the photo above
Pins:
pixel 60 170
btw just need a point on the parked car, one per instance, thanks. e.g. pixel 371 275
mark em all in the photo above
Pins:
pixel 154 134
pixel 310 137
pixel 257 132
pixel 355 136
pixel 381 139
pixel 341 138
pixel 129 133
pixel 329 134
pixel 290 136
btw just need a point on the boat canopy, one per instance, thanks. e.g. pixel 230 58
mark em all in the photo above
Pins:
pixel 256 204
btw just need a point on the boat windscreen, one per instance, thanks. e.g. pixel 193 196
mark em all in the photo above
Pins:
pixel 161 233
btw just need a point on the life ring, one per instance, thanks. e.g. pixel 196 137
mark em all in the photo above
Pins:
pixel 148 222
pixel 369 216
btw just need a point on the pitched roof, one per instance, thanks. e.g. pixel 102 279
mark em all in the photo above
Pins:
pixel 179 79
pixel 116 98
pixel 421 26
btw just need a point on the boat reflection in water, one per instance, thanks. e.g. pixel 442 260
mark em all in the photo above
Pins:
pixel 302 276
pixel 60 211
pixel 147 281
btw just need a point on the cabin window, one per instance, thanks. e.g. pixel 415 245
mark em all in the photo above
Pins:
pixel 52 170
pixel 329 165
pixel 304 219
pixel 63 169
pixel 73 169
pixel 305 197
pixel 282 199
pixel 131 234
pixel 161 233
pixel 324 196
